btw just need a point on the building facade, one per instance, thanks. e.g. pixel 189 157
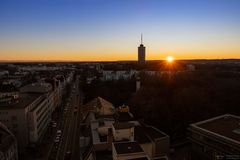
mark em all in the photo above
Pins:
pixel 8 144
pixel 29 117
pixel 216 138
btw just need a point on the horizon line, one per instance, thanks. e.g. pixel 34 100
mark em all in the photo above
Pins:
pixel 191 59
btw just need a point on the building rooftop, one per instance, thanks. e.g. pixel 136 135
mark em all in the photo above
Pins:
pixel 142 158
pixel 146 134
pixel 8 88
pixel 36 88
pixel 119 125
pixel 99 103
pixel 226 126
pixel 140 136
pixel 123 116
pixel 127 147
pixel 23 101
pixel 154 133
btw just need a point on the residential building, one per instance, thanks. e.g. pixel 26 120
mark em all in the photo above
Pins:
pixel 101 134
pixel 123 131
pixel 108 131
pixel 8 94
pixel 29 115
pixel 109 75
pixel 128 150
pixel 154 142
pixel 216 138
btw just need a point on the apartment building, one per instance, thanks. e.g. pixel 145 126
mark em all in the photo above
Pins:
pixel 29 116
pixel 154 142
pixel 128 150
pixel 216 138
pixel 119 132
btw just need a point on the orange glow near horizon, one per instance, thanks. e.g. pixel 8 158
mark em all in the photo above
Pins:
pixel 75 55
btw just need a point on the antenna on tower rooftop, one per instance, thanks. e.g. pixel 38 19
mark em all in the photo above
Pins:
pixel 141 38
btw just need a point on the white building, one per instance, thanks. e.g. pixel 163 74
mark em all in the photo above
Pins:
pixel 123 131
pixel 109 75
pixel 128 150
pixel 128 139
pixel 101 134
pixel 117 75
pixel 28 118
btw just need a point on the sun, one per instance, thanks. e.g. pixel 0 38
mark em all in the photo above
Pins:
pixel 170 59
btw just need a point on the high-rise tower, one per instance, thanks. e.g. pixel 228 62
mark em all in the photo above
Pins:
pixel 141 52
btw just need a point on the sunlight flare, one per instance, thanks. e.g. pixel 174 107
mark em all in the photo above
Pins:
pixel 170 59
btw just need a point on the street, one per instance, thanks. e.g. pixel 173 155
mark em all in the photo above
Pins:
pixel 65 145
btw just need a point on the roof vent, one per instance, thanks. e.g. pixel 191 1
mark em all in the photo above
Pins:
pixel 237 131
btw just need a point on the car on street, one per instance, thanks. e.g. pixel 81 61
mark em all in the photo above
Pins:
pixel 59 131
pixel 68 155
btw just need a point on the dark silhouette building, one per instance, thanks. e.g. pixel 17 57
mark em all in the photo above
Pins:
pixel 141 53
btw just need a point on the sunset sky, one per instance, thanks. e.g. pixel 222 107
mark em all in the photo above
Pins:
pixel 86 30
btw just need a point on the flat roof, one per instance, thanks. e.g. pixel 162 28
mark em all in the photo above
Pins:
pixel 145 134
pixel 226 126
pixel 25 99
pixel 127 147
pixel 141 158
pixel 140 136
pixel 124 116
pixel 121 125
pixel 154 133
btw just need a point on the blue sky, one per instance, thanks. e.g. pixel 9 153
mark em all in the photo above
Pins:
pixel 110 29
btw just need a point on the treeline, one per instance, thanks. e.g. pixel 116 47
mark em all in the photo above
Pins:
pixel 117 92
pixel 172 102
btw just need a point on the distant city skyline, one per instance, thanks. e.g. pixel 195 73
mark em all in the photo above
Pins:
pixel 93 30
